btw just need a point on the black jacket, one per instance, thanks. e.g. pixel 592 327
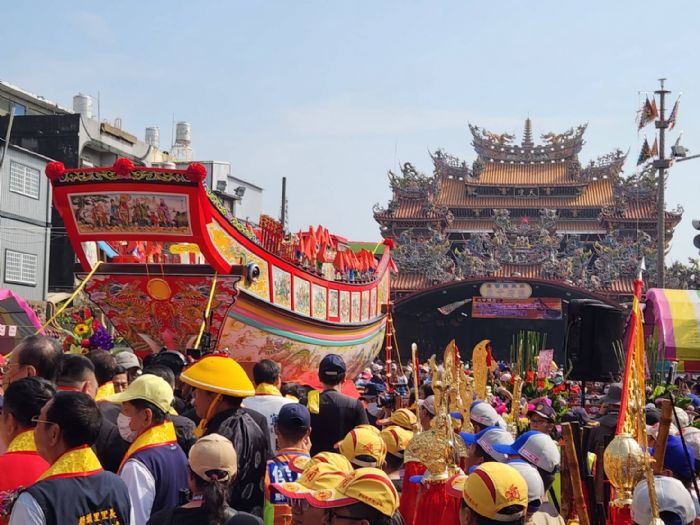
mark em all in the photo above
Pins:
pixel 338 414
pixel 251 444
pixel 109 447
pixel 607 424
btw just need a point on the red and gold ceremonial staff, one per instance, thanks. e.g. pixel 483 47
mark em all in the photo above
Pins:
pixel 626 459
pixel 412 463
pixel 439 449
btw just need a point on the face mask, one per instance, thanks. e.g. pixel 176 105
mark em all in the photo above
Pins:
pixel 373 409
pixel 124 429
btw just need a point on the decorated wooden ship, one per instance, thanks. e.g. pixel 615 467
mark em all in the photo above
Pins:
pixel 177 253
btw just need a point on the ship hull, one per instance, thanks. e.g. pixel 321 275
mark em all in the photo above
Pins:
pixel 263 303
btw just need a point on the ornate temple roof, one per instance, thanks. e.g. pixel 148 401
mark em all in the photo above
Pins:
pixel 498 174
pixel 453 193
pixel 530 209
pixel 554 147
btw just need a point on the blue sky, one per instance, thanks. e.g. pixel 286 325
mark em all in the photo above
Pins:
pixel 334 94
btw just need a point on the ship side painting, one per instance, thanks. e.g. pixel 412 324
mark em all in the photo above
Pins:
pixel 122 212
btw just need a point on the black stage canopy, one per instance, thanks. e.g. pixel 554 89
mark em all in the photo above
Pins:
pixel 486 308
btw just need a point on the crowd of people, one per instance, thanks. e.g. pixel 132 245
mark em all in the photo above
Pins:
pixel 111 439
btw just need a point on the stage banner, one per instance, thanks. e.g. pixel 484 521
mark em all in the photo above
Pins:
pixel 544 363
pixel 534 308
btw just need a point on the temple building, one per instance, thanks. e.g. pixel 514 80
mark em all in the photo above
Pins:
pixel 524 210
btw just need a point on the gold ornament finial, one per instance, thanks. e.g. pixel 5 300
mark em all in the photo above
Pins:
pixel 624 462
pixel 439 448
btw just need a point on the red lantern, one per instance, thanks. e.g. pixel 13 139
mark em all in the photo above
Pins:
pixel 196 172
pixel 55 169
pixel 123 167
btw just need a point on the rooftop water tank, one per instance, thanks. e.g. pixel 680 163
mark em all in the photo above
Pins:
pixel 82 104
pixel 153 136
pixel 183 133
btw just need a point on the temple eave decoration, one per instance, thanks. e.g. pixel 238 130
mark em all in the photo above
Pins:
pixel 529 210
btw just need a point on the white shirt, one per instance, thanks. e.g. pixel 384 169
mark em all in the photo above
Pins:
pixel 142 490
pixel 26 511
pixel 269 406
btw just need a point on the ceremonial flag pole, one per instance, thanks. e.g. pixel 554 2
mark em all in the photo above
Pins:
pixel 631 422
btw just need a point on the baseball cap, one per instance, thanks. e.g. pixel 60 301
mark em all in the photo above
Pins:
pixel 211 456
pixel 692 439
pixel 675 459
pixel 402 417
pixel 321 476
pixel 369 427
pixel 363 448
pixel 149 388
pixel 671 496
pixel 535 485
pixel 535 447
pixel 127 359
pixel 484 414
pixel 171 359
pixel 653 430
pixel 299 464
pixel 373 390
pixel 683 417
pixel 487 438
pixel 370 486
pixel 332 365
pixel 652 414
pixel 542 409
pixel 294 416
pixel 492 487
pixel 429 404
pixel 396 439
pixel 220 374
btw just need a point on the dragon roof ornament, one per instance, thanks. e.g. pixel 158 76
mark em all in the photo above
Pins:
pixel 501 147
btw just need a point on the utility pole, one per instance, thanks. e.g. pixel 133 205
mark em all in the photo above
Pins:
pixel 283 211
pixel 661 164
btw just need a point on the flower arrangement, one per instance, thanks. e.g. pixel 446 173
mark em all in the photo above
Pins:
pixel 86 334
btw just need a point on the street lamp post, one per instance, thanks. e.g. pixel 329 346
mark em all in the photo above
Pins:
pixel 661 164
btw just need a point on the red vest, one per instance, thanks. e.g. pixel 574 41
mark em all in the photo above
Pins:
pixel 21 466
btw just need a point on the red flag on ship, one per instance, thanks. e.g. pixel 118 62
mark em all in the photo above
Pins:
pixel 654 149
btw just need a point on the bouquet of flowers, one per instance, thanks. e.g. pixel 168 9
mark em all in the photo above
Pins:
pixel 86 334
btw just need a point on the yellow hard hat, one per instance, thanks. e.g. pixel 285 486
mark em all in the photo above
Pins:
pixel 220 374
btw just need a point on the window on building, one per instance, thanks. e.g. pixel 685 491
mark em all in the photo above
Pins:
pixel 20 267
pixel 20 109
pixel 24 180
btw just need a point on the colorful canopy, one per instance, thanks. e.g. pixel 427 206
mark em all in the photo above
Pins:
pixel 17 320
pixel 676 317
